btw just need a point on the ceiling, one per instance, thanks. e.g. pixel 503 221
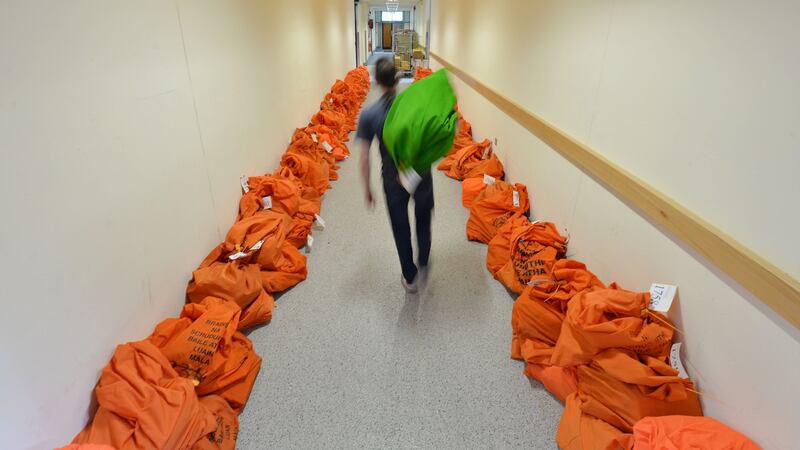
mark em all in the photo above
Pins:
pixel 402 3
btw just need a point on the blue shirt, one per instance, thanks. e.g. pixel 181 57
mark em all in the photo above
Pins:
pixel 370 124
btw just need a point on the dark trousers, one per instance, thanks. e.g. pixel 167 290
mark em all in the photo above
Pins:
pixel 397 203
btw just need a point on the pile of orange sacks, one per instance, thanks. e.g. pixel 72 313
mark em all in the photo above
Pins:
pixel 597 348
pixel 184 386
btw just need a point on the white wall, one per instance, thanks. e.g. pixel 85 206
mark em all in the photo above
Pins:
pixel 124 127
pixel 699 99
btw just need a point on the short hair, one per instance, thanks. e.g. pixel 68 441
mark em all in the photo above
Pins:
pixel 385 73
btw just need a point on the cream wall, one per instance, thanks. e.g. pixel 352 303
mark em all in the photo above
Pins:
pixel 124 127
pixel 700 100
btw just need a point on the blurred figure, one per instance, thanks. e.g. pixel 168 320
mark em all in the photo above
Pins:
pixel 370 126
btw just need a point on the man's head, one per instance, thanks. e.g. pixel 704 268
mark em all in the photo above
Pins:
pixel 385 73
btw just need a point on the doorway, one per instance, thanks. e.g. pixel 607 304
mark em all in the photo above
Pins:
pixel 387 36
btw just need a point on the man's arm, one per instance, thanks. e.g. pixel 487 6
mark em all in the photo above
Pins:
pixel 365 171
pixel 365 135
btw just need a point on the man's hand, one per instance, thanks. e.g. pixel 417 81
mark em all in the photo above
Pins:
pixel 369 198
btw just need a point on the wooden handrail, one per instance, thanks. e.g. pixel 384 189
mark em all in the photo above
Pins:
pixel 774 287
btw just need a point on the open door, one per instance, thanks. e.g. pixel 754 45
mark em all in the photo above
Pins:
pixel 387 36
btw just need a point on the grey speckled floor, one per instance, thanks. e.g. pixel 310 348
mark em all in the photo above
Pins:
pixel 351 362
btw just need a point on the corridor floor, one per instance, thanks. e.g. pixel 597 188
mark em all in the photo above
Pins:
pixel 350 361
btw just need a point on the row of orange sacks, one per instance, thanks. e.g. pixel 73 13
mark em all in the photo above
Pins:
pixel 184 386
pixel 597 348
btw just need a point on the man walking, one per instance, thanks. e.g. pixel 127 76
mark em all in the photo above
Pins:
pixel 370 125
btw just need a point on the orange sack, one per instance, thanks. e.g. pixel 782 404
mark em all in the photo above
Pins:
pixel 191 341
pixel 460 142
pixel 262 239
pixel 311 144
pixel 475 160
pixel 324 133
pixel 238 375
pixel 539 312
pixel 580 431
pixel 465 149
pixel 334 146
pixel 257 313
pixel 422 72
pixel 464 127
pixel 490 165
pixel 621 388
pixel 303 221
pixel 145 404
pixel 342 103
pixel 342 98
pixel 611 318
pixel 334 120
pixel 307 193
pixel 492 208
pixel 523 252
pixel 536 320
pixel 678 432
pixel 559 381
pixel 335 149
pixel 233 281
pixel 204 347
pixel 288 271
pixel 258 237
pixel 311 172
pixel 470 188
pixel 463 133
pixel 227 422
pixel 284 196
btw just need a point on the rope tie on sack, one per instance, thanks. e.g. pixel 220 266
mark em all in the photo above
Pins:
pixel 646 313
pixel 558 285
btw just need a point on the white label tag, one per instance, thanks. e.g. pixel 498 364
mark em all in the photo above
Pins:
pixel 486 152
pixel 309 243
pixel 267 202
pixel 488 179
pixel 314 137
pixel 515 199
pixel 257 246
pixel 537 282
pixel 327 146
pixel 675 360
pixel 243 181
pixel 318 222
pixel 330 100
pixel 237 255
pixel 410 180
pixel 661 296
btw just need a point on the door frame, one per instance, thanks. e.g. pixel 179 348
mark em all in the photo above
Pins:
pixel 428 12
pixel 355 22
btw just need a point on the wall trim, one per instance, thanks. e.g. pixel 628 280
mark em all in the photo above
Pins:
pixel 774 287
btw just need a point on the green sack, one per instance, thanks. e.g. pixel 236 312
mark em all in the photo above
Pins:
pixel 421 125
